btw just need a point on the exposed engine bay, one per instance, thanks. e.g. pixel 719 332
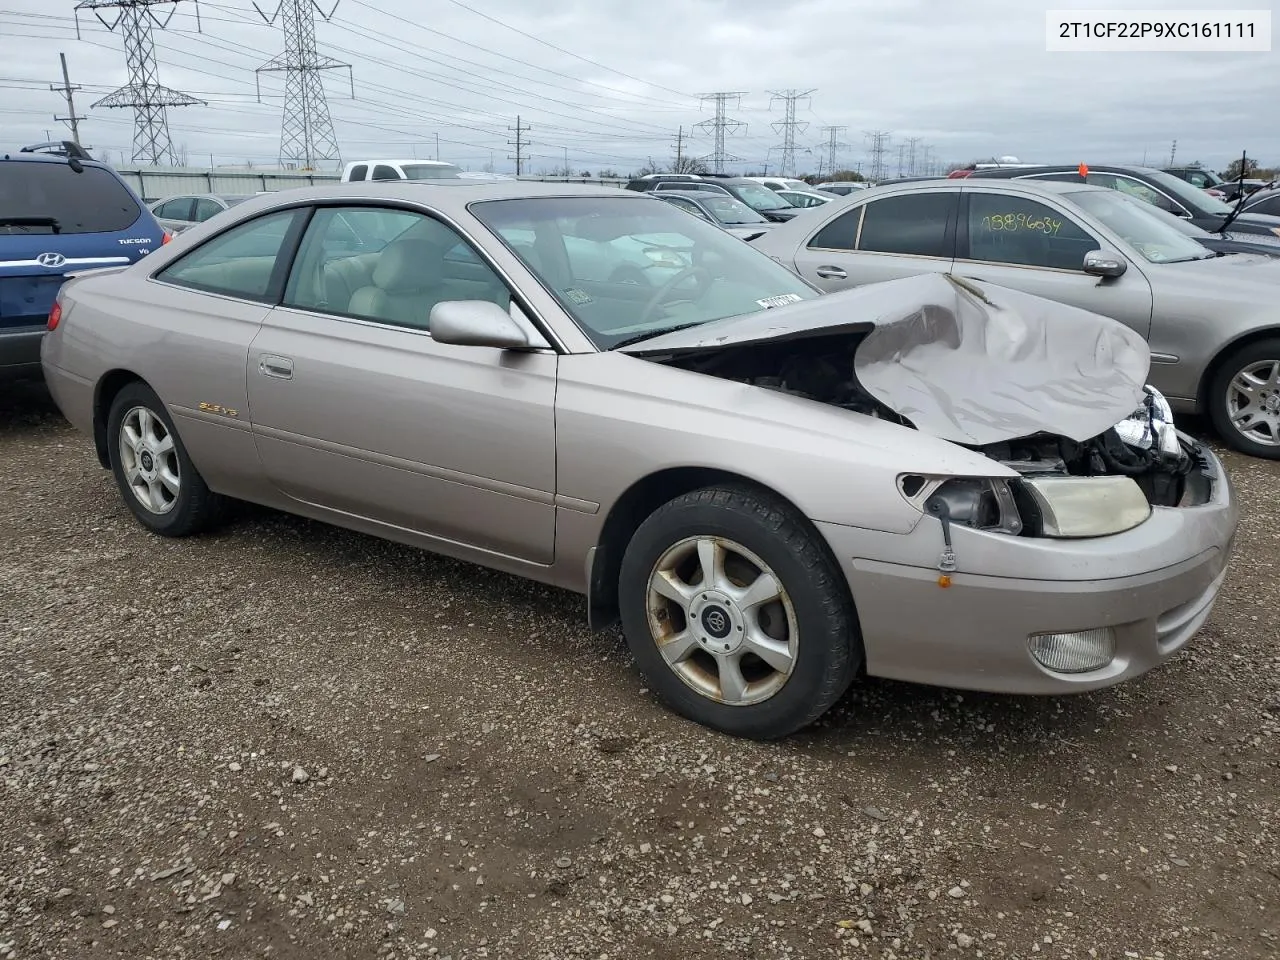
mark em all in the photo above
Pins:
pixel 1145 447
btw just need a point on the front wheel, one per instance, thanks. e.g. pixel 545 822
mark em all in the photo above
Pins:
pixel 156 477
pixel 1244 399
pixel 736 613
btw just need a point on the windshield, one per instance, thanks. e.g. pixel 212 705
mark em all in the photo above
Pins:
pixel 628 269
pixel 1193 197
pixel 795 184
pixel 63 201
pixel 1182 225
pixel 1155 240
pixel 430 171
pixel 729 210
pixel 759 198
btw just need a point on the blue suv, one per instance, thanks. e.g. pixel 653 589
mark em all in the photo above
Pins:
pixel 60 213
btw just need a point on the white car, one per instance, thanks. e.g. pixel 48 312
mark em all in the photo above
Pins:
pixel 781 183
pixel 399 170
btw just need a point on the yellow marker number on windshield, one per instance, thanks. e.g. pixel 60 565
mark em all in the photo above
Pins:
pixel 1013 222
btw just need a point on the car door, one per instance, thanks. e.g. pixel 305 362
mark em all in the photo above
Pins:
pixel 887 238
pixel 211 302
pixel 357 410
pixel 1027 244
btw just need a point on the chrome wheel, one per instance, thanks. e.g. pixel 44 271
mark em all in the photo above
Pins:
pixel 149 460
pixel 1253 402
pixel 722 620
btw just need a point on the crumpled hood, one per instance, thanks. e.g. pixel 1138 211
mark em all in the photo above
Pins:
pixel 965 361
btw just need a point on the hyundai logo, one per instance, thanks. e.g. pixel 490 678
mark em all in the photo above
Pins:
pixel 51 260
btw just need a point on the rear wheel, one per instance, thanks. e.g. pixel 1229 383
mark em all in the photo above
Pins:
pixel 1244 399
pixel 736 613
pixel 156 477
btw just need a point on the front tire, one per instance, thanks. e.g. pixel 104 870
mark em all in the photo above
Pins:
pixel 156 477
pixel 1244 399
pixel 736 613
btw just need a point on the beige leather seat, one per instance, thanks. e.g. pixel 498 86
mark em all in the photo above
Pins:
pixel 406 284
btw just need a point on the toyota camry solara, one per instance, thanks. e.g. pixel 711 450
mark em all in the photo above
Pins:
pixel 773 490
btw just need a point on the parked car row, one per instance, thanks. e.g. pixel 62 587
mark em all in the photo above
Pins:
pixel 938 479
pixel 1213 322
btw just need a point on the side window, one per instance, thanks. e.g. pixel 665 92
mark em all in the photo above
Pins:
pixel 841 233
pixel 358 172
pixel 383 172
pixel 1019 230
pixel 1136 189
pixel 913 224
pixel 239 262
pixel 1056 177
pixel 391 266
pixel 206 208
pixel 1197 179
pixel 688 207
pixel 177 209
pixel 1268 205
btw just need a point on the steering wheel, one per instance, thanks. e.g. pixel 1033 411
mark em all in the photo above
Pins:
pixel 663 293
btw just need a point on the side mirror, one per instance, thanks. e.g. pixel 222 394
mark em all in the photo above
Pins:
pixel 1104 263
pixel 477 323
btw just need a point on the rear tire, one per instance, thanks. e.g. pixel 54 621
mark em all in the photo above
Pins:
pixel 775 603
pixel 156 477
pixel 1244 399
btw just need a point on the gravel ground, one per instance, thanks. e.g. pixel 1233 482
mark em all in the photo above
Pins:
pixel 289 740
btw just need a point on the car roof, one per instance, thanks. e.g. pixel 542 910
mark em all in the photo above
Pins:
pixel 451 195
pixel 1014 172
pixel 1031 187
pixel 16 156
pixel 695 194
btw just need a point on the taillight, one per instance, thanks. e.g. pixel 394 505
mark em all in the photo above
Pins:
pixel 55 316
pixel 165 237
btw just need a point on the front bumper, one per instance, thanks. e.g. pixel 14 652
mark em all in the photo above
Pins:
pixel 20 351
pixel 1154 586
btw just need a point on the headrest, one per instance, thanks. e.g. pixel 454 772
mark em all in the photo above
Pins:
pixel 407 265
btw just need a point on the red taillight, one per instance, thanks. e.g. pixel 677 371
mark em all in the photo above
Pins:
pixel 165 237
pixel 55 316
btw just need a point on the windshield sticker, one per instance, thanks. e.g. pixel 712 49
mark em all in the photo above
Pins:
pixel 780 301
pixel 579 297
pixel 1013 222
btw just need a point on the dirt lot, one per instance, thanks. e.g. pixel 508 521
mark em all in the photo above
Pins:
pixel 287 740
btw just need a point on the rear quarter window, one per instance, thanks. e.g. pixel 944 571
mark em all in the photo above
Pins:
pixel 92 201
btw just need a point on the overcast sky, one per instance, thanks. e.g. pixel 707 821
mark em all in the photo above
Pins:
pixel 611 81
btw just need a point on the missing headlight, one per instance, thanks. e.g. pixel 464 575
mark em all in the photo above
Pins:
pixel 980 503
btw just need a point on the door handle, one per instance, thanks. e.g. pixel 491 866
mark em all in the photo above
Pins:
pixel 279 367
pixel 831 273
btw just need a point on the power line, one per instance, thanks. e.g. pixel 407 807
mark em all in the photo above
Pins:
pixel 833 144
pixel 911 155
pixel 879 145
pixel 789 126
pixel 720 125
pixel 519 143
pixel 68 94
pixel 569 53
pixel 306 131
pixel 149 99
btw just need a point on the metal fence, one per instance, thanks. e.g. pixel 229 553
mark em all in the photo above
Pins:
pixel 154 183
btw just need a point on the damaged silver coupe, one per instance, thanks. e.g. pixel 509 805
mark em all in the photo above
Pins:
pixel 932 479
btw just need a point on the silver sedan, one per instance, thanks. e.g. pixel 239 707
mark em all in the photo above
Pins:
pixel 773 490
pixel 1213 322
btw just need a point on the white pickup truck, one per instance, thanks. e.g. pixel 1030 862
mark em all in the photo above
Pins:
pixel 399 170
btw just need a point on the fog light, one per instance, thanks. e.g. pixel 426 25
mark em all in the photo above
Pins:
pixel 1078 652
